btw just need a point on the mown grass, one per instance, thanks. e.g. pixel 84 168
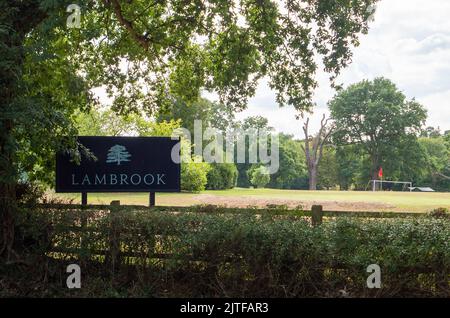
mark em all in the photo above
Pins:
pixel 397 201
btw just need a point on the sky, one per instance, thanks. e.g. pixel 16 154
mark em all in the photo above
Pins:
pixel 408 42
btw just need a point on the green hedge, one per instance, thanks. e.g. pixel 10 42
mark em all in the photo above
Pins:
pixel 196 254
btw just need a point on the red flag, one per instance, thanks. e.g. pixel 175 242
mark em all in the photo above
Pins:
pixel 380 173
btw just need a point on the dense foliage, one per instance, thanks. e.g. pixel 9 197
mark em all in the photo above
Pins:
pixel 259 176
pixel 424 160
pixel 147 55
pixel 222 176
pixel 378 117
pixel 233 255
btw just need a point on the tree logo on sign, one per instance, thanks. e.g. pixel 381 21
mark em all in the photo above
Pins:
pixel 118 154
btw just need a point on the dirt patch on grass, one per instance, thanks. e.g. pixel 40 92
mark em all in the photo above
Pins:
pixel 245 201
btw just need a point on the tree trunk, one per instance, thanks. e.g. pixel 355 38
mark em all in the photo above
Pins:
pixel 8 91
pixel 313 149
pixel 374 174
pixel 375 167
pixel 19 18
pixel 313 178
pixel 8 177
pixel 12 54
pixel 7 209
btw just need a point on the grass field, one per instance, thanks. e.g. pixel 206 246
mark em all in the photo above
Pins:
pixel 240 197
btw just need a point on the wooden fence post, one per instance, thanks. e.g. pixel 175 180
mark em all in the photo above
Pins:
pixel 114 239
pixel 316 215
pixel 83 224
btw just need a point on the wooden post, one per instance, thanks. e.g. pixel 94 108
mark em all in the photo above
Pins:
pixel 83 224
pixel 83 198
pixel 316 215
pixel 151 199
pixel 317 274
pixel 114 240
pixel 115 203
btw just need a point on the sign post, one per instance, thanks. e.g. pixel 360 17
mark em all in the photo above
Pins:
pixel 83 198
pixel 121 164
pixel 151 199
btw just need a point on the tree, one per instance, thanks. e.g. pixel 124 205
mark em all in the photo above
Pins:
pixel 105 123
pixel 437 161
pixel 222 176
pixel 254 123
pixel 211 114
pixel 327 171
pixel 40 88
pixel 292 170
pixel 259 177
pixel 430 132
pixel 348 158
pixel 313 148
pixel 376 116
pixel 108 123
pixel 146 54
pixel 117 154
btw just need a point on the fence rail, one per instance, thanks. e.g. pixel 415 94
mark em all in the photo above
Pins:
pixel 277 210
pixel 113 250
pixel 94 235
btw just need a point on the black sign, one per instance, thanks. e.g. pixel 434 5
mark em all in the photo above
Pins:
pixel 124 164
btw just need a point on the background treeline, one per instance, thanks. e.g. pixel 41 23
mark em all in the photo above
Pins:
pixel 196 176
pixel 372 125
pixel 423 158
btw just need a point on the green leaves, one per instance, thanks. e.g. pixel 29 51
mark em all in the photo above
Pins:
pixel 223 46
pixel 259 176
pixel 147 53
pixel 377 117
pixel 251 253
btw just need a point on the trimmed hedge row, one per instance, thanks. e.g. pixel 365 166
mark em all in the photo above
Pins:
pixel 196 254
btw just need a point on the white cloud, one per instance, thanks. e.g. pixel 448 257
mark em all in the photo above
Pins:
pixel 409 43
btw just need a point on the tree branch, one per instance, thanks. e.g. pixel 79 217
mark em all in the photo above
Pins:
pixel 443 176
pixel 128 25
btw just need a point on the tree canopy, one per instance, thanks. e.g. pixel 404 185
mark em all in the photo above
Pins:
pixel 146 53
pixel 378 117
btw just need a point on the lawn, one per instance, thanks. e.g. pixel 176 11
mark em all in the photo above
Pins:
pixel 331 200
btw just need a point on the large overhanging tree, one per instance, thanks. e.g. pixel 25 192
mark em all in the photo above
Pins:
pixel 147 51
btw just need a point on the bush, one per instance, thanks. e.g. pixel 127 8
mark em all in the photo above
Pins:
pixel 240 255
pixel 439 213
pixel 29 193
pixel 259 177
pixel 194 176
pixel 193 171
pixel 222 176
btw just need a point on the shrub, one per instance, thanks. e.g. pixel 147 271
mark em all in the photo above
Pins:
pixel 193 171
pixel 29 193
pixel 194 176
pixel 242 255
pixel 260 177
pixel 222 176
pixel 439 213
